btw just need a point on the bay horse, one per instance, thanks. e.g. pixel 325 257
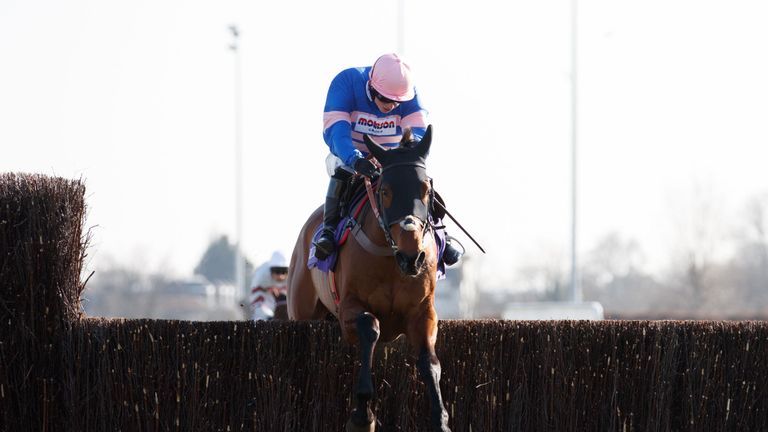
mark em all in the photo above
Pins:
pixel 385 286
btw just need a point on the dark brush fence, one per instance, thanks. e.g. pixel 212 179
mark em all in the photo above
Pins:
pixel 41 255
pixel 497 376
pixel 59 371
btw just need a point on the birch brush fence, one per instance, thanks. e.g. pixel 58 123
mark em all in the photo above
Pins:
pixel 61 371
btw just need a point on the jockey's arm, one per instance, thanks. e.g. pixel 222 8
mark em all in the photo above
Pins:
pixel 337 119
pixel 339 140
pixel 277 290
pixel 414 117
pixel 262 303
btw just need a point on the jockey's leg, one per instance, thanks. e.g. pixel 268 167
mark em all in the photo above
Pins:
pixel 325 245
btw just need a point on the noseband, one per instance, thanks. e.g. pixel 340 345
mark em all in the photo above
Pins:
pixel 375 199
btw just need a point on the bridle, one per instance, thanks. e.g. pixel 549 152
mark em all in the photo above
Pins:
pixel 374 197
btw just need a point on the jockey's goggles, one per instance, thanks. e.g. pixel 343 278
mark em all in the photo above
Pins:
pixel 279 270
pixel 383 99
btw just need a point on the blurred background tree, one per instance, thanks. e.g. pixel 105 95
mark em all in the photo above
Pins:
pixel 218 262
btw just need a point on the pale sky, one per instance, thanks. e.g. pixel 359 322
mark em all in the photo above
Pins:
pixel 137 99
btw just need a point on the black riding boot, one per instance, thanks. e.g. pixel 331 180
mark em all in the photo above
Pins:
pixel 451 255
pixel 326 244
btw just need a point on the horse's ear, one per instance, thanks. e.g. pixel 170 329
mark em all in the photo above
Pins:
pixel 425 143
pixel 375 149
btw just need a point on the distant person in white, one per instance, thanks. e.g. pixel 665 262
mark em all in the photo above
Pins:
pixel 269 289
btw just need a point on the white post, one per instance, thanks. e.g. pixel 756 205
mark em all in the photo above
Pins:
pixel 239 268
pixel 576 294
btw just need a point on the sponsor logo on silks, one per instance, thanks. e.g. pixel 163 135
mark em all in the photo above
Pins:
pixel 373 125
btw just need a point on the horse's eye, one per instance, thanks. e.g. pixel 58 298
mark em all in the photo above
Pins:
pixel 386 198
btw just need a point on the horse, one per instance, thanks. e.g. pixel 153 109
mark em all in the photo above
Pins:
pixel 385 286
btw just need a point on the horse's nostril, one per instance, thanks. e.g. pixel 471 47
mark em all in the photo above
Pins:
pixel 420 259
pixel 409 264
pixel 402 260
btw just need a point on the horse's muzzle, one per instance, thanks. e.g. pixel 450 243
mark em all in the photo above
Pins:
pixel 410 265
pixel 410 223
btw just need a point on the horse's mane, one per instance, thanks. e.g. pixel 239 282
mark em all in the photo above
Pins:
pixel 407 142
pixel 407 139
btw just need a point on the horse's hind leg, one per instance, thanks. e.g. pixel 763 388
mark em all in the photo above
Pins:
pixel 362 418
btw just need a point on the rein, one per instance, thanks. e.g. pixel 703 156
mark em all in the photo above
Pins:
pixel 375 207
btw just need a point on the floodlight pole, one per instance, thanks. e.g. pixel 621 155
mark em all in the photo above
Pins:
pixel 576 292
pixel 239 267
pixel 401 27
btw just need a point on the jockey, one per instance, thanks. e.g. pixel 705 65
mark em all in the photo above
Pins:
pixel 378 100
pixel 269 287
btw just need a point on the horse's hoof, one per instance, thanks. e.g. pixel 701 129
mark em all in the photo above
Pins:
pixel 352 427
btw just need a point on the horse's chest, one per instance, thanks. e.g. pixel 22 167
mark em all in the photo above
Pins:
pixel 396 298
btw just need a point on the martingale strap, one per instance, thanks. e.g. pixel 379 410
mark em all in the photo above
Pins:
pixel 367 244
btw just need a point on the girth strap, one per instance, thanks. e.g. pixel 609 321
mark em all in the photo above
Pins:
pixel 367 244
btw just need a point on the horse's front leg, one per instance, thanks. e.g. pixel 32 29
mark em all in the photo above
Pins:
pixel 422 334
pixel 367 330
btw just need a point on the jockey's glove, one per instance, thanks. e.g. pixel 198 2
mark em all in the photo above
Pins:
pixel 365 167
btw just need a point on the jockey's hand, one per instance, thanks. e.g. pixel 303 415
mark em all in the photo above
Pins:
pixel 365 167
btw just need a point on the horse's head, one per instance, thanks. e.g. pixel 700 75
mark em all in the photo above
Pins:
pixel 404 196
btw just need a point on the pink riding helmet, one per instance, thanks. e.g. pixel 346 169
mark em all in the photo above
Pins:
pixel 391 77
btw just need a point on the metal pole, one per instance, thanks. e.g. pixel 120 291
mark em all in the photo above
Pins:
pixel 576 293
pixel 401 27
pixel 239 267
